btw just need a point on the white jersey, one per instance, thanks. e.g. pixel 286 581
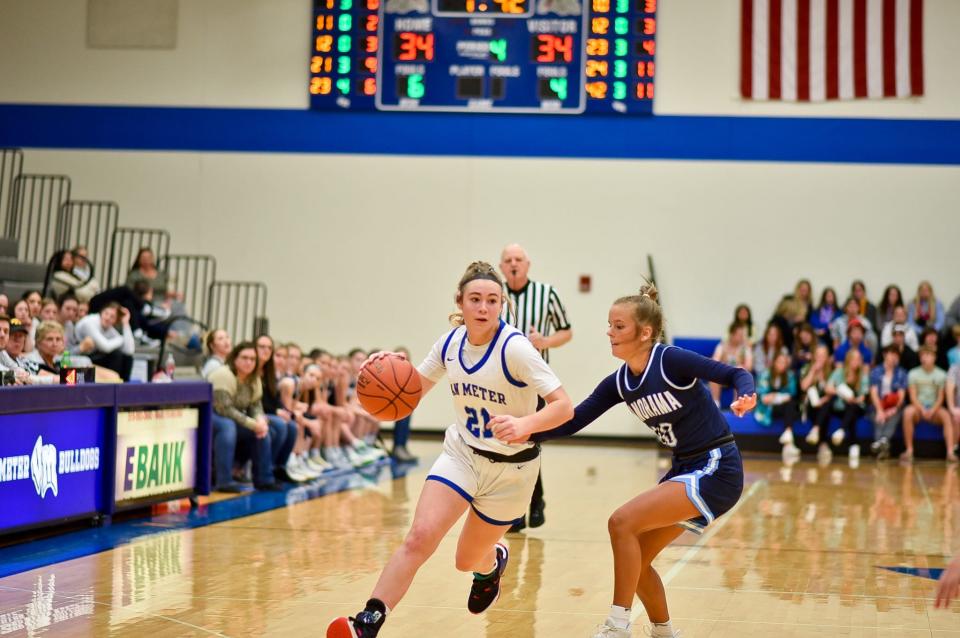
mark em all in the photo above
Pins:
pixel 504 376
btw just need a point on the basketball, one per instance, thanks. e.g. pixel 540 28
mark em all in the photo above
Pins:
pixel 389 388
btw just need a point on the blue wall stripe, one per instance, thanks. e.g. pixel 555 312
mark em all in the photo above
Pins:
pixel 672 137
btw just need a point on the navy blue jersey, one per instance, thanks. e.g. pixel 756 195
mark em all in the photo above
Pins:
pixel 668 396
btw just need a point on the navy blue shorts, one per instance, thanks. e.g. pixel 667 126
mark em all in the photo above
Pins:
pixel 714 483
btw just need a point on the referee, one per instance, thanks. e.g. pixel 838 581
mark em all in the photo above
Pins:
pixel 537 312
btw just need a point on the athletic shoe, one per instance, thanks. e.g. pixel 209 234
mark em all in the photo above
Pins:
pixel 305 468
pixel 813 436
pixel 837 437
pixel 366 624
pixel 316 463
pixel 292 468
pixel 609 631
pixel 402 454
pixel 336 457
pixel 884 452
pixel 355 459
pixel 369 451
pixel 787 437
pixel 485 591
pixel 854 452
pixel 536 514
pixel 824 455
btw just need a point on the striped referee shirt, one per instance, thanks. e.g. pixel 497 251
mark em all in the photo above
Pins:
pixel 537 305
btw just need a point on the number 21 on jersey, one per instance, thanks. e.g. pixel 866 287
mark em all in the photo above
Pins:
pixel 474 425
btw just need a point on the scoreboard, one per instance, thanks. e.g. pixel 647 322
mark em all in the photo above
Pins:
pixel 488 56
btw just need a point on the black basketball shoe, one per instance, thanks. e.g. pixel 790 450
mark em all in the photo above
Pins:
pixel 486 590
pixel 366 624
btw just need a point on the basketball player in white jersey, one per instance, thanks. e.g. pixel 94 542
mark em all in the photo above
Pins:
pixel 493 371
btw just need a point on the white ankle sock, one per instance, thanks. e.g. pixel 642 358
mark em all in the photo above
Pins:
pixel 619 617
pixel 661 630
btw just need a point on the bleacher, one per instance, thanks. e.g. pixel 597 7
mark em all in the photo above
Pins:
pixel 754 436
pixel 39 218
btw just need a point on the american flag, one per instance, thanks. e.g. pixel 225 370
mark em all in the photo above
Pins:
pixel 815 50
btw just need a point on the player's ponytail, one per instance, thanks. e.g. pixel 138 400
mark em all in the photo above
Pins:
pixel 476 270
pixel 646 308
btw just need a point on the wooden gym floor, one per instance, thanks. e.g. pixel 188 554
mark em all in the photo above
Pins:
pixel 809 551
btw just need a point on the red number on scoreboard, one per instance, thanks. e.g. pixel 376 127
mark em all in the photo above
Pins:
pixel 325 23
pixel 644 90
pixel 320 64
pixel 373 5
pixel 372 42
pixel 412 44
pixel 645 69
pixel 600 25
pixel 649 26
pixel 650 46
pixel 320 86
pixel 650 6
pixel 373 22
pixel 554 47
pixel 324 43
pixel 597 68
pixel 370 86
pixel 370 64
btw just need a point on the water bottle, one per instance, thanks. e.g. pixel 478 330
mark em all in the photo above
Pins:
pixel 169 366
pixel 65 360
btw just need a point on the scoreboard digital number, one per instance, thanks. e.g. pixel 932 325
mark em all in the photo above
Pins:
pixel 511 56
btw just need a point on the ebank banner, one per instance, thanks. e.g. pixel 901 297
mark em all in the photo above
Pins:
pixel 50 466
pixel 156 452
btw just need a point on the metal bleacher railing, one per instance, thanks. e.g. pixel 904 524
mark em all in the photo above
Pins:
pixel 90 224
pixel 11 165
pixel 239 307
pixel 124 246
pixel 35 202
pixel 192 276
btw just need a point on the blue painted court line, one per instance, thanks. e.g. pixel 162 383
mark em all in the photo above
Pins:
pixel 30 555
pixel 933 573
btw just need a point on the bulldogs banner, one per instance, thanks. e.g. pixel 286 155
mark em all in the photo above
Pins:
pixel 50 466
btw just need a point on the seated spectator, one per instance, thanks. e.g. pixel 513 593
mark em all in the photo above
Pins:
pixel 824 315
pixel 144 268
pixel 734 351
pixel 813 386
pixel 283 429
pixel 34 302
pixel 238 418
pixel 67 279
pixel 953 354
pixel 899 321
pixel 926 310
pixel 365 427
pixel 49 310
pixel 929 337
pixel 10 353
pixel 294 360
pixel 927 387
pixel 4 304
pixel 803 298
pixel 767 349
pixel 892 299
pixel 21 312
pixel 742 314
pixel 218 347
pixel 69 309
pixel 855 336
pixel 908 356
pixel 83 309
pixel 858 291
pixel 888 391
pixel 302 399
pixel 789 314
pixel 51 344
pixel 112 348
pixel 838 329
pixel 804 345
pixel 849 386
pixel 775 397
pixel 952 394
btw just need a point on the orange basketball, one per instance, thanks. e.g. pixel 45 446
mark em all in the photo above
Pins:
pixel 389 388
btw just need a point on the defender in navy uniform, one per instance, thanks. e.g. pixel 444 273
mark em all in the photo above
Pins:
pixel 663 386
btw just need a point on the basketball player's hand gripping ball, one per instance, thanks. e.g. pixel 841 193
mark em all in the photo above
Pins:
pixel 388 386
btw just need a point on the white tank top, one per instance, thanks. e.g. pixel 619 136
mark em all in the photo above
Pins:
pixel 504 376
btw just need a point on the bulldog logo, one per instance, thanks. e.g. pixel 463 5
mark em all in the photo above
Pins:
pixel 43 467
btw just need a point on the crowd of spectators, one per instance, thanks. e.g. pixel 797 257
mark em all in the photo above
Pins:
pixel 279 415
pixel 832 363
